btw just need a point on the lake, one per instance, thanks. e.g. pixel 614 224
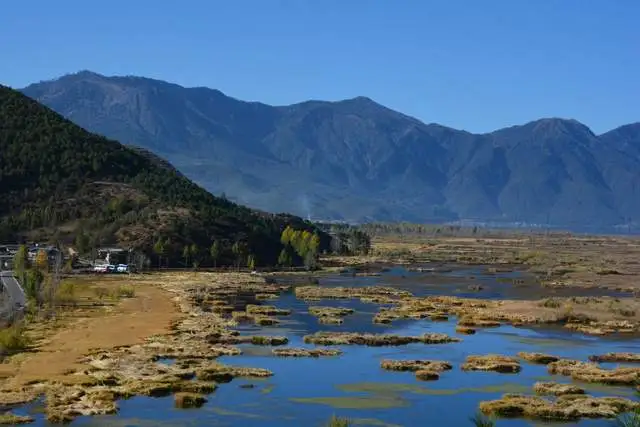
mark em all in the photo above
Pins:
pixel 308 391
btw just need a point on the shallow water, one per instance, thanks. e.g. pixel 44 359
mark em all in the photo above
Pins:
pixel 307 391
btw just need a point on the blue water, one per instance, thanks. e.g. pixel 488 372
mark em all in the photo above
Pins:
pixel 355 378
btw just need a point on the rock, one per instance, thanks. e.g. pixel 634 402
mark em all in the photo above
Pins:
pixel 189 400
pixel 540 358
pixel 555 389
pixel 492 362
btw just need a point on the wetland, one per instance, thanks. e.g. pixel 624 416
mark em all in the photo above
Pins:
pixel 391 342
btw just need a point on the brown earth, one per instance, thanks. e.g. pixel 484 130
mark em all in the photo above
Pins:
pixel 151 311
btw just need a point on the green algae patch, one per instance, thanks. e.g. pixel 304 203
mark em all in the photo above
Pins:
pixel 111 421
pixel 371 422
pixel 549 343
pixel 267 389
pixel 356 402
pixel 226 412
pixel 390 388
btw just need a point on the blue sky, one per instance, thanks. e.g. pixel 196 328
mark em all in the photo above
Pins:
pixel 477 64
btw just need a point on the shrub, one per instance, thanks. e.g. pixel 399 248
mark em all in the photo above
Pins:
pixel 101 292
pixel 126 291
pixel 14 339
pixel 66 293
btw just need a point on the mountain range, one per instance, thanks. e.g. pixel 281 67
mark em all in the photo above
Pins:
pixel 357 160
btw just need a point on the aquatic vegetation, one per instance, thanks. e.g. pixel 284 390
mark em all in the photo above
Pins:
pixel 492 362
pixel 386 388
pixel 481 420
pixel 555 389
pixel 339 292
pixel 306 352
pixel 539 358
pixel 374 340
pixel 631 419
pixel 356 402
pixel 563 408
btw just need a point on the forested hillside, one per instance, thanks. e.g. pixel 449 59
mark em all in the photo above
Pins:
pixel 60 182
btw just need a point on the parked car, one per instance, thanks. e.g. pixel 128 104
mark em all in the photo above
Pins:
pixel 100 268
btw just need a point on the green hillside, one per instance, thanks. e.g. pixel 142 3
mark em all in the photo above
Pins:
pixel 60 182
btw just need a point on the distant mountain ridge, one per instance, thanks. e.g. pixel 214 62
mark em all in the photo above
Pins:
pixel 358 160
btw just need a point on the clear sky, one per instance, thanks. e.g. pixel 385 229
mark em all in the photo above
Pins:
pixel 475 64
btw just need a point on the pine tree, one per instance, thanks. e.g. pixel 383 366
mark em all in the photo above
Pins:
pixel 215 252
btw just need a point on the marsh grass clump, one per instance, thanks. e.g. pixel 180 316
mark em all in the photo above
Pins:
pixel 267 310
pixel 492 362
pixel 264 340
pixel 415 365
pixel 616 357
pixel 630 419
pixel 539 358
pixel 12 419
pixel 306 352
pixel 319 311
pixel 592 373
pixel 125 291
pixel 14 339
pixel 375 340
pixel 555 389
pixel 481 420
pixel 563 408
pixel 339 422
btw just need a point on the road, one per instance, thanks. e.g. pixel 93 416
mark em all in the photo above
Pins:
pixel 13 290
